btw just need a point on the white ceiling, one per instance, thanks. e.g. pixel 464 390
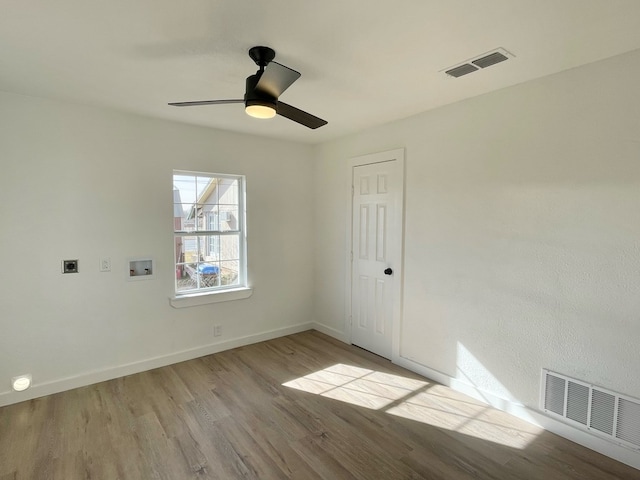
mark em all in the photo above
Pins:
pixel 363 62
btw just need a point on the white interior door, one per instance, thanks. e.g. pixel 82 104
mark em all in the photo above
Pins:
pixel 376 254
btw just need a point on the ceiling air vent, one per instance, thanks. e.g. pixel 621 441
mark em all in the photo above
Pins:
pixel 461 70
pixel 490 59
pixel 482 61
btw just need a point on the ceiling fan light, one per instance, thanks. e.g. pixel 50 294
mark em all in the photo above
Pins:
pixel 260 111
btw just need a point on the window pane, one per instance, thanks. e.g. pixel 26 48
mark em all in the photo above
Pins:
pixel 229 273
pixel 188 249
pixel 228 191
pixel 229 247
pixel 184 217
pixel 210 248
pixel 185 278
pixel 209 274
pixel 200 217
pixel 229 218
pixel 211 217
pixel 205 189
pixel 184 189
pixel 179 249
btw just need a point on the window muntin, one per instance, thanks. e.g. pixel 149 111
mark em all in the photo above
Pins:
pixel 209 237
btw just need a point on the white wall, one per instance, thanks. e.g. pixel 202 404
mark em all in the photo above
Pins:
pixel 86 183
pixel 522 246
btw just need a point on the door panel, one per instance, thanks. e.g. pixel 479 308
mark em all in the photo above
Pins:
pixel 376 231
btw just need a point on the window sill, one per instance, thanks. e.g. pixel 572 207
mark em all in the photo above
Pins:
pixel 205 298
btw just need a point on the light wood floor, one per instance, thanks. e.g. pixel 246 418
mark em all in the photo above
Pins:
pixel 304 406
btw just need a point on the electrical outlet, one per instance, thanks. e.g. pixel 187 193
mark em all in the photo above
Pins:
pixel 105 264
pixel 217 330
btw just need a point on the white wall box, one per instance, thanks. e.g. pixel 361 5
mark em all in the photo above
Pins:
pixel 141 268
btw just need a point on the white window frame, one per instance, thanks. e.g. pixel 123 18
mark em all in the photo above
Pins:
pixel 220 293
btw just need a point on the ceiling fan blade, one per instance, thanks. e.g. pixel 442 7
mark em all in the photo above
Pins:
pixel 276 79
pixel 205 102
pixel 297 115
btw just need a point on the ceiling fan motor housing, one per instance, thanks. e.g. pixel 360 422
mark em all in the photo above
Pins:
pixel 257 97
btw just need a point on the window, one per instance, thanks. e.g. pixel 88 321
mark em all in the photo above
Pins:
pixel 209 236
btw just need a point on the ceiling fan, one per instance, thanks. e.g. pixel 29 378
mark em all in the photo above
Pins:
pixel 264 88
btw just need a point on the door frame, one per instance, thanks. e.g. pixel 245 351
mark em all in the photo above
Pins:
pixel 398 270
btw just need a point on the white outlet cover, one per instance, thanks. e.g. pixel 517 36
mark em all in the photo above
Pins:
pixel 105 264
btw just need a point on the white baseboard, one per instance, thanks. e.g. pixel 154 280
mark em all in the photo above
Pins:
pixel 89 378
pixel 332 332
pixel 605 447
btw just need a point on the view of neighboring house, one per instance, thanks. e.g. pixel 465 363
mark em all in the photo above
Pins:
pixel 206 222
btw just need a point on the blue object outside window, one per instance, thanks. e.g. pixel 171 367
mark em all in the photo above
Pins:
pixel 208 269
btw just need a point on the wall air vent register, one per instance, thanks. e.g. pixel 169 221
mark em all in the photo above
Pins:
pixel 591 408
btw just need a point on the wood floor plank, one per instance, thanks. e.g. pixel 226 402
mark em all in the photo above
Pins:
pixel 221 459
pixel 257 460
pixel 305 406
pixel 267 430
pixel 192 457
pixel 322 462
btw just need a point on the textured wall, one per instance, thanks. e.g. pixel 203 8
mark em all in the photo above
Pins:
pixel 522 241
pixel 87 183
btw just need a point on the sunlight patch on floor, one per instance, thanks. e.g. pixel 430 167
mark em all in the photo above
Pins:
pixel 443 408
pixel 417 400
pixel 358 386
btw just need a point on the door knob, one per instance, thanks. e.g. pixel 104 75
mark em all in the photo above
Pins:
pixel 388 271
